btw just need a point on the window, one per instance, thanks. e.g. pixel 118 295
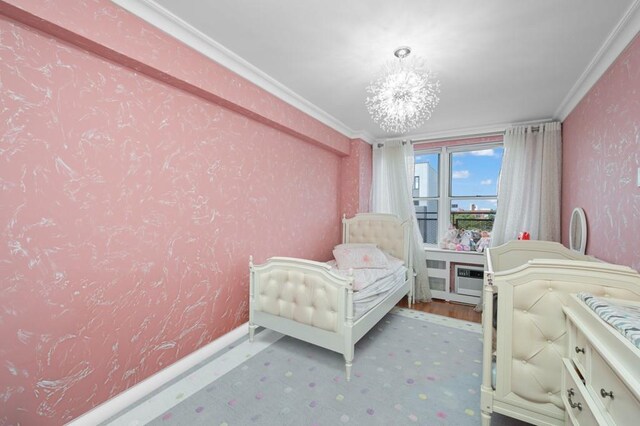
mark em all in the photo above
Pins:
pixel 426 192
pixel 463 192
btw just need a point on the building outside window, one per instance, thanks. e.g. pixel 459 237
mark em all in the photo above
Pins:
pixel 456 186
pixel 426 190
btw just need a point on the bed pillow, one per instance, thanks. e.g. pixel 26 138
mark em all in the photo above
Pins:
pixel 359 256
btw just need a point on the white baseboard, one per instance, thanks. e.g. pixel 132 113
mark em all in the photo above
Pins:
pixel 125 399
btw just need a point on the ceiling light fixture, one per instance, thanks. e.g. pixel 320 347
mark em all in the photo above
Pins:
pixel 404 95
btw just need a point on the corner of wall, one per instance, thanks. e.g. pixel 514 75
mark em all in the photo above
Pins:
pixel 355 182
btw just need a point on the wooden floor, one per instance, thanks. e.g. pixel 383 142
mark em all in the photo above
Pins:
pixel 447 309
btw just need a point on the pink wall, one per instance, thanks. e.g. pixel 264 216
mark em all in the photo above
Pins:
pixel 601 154
pixel 129 208
pixel 356 179
pixel 113 33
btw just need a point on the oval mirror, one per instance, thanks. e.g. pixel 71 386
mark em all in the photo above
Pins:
pixel 578 231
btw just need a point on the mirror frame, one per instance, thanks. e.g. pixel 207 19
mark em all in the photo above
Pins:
pixel 578 223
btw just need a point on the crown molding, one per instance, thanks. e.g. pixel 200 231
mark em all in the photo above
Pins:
pixel 619 38
pixel 365 136
pixel 169 23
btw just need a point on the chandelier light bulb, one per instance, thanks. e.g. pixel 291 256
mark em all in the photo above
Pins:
pixel 404 95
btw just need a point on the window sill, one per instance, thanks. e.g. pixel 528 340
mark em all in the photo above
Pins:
pixel 435 249
pixel 452 256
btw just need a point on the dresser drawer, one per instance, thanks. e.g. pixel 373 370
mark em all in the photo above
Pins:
pixel 578 349
pixel 575 398
pixel 623 407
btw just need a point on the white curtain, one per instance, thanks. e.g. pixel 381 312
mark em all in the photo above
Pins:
pixel 529 189
pixel 391 192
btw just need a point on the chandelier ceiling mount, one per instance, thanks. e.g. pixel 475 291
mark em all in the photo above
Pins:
pixel 402 52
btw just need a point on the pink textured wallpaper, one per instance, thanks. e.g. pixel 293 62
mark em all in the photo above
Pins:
pixel 129 209
pixel 356 178
pixel 601 155
pixel 106 29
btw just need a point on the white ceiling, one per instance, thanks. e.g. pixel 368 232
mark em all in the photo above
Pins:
pixel 498 61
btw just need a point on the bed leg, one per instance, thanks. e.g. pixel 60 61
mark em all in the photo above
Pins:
pixel 486 418
pixel 347 366
pixel 348 358
pixel 252 329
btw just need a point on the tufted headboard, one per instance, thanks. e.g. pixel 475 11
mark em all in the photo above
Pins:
pixel 387 231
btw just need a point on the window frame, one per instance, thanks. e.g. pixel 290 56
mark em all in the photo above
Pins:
pixel 445 177
pixel 437 198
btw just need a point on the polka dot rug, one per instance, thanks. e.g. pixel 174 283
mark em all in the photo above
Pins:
pixel 411 368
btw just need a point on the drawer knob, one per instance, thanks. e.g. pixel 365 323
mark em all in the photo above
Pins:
pixel 605 394
pixel 578 350
pixel 572 404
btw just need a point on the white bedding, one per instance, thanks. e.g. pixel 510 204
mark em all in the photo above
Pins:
pixel 363 278
pixel 372 285
pixel 365 300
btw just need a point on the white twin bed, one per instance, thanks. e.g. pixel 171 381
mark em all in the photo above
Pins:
pixel 330 307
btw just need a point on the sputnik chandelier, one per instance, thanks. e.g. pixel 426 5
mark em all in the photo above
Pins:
pixel 404 95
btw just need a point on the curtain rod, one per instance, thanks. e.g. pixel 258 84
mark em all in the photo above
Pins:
pixel 404 142
pixel 534 128
pixel 477 135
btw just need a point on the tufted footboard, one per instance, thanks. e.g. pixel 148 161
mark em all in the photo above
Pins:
pixel 303 291
pixel 303 299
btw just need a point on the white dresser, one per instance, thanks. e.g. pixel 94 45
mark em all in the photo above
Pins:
pixel 601 376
